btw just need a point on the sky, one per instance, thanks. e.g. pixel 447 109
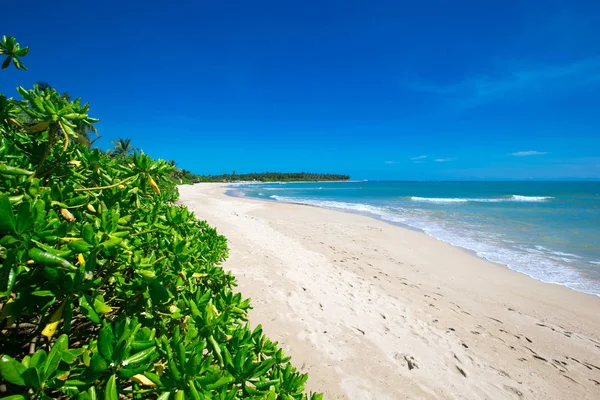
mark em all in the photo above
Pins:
pixel 443 90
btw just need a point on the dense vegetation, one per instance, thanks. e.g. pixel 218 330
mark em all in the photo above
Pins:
pixel 107 289
pixel 272 177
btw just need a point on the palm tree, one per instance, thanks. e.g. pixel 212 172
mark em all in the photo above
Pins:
pixel 83 134
pixel 12 50
pixel 122 147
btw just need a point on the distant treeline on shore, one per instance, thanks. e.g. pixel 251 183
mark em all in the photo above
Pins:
pixel 270 177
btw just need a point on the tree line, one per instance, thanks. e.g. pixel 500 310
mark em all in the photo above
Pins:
pixel 272 177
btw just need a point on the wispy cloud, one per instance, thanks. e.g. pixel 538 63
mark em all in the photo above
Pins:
pixel 418 158
pixel 391 162
pixel 443 159
pixel 478 90
pixel 528 153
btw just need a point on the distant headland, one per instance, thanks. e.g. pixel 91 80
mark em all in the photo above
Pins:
pixel 262 177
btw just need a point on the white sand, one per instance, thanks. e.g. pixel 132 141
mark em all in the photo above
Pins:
pixel 375 311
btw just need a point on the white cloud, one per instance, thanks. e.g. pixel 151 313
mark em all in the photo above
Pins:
pixel 528 153
pixel 418 158
pixel 443 159
pixel 391 162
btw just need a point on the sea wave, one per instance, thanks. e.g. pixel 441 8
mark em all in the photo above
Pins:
pixel 296 188
pixel 448 200
pixel 516 197
pixel 359 207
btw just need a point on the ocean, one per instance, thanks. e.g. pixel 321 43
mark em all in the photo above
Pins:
pixel 547 230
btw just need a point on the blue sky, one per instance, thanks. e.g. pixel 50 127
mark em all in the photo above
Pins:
pixel 377 89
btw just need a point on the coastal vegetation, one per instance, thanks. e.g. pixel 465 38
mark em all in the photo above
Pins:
pixel 107 288
pixel 272 177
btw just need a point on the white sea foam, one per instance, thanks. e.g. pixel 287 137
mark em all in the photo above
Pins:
pixel 560 253
pixel 516 197
pixel 333 204
pixel 448 200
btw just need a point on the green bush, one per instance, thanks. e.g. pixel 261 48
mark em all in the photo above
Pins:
pixel 107 288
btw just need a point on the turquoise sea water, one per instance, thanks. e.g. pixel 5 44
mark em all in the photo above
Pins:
pixel 547 230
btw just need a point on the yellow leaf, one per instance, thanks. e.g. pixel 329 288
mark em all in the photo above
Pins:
pixel 153 185
pixel 197 275
pixel 80 259
pixel 67 215
pixel 55 319
pixel 70 239
pixel 159 369
pixel 75 163
pixel 91 207
pixel 63 376
pixel 142 380
pixel 42 126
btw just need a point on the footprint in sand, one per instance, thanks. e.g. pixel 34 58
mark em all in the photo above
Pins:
pixel 406 360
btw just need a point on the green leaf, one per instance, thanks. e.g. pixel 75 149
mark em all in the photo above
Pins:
pixel 87 309
pixel 164 396
pixel 24 218
pixel 6 62
pixel 87 233
pixel 140 356
pixel 31 377
pixel 110 392
pixel 98 364
pixel 90 394
pixel 106 342
pixel 38 360
pixel 192 390
pixel 69 356
pixel 14 397
pixel 180 395
pixel 272 395
pixel 7 218
pixel 100 306
pixel 11 370
pixel 8 274
pixel 55 356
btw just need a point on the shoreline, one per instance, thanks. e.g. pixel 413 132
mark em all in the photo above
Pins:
pixel 415 229
pixel 372 310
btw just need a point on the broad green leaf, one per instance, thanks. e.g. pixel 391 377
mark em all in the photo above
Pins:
pixel 69 356
pixel 8 274
pixel 87 233
pixel 55 356
pixel 110 392
pixel 31 376
pixel 7 218
pixel 106 342
pixel 11 370
pixel 87 310
pixel 100 306
pixel 180 395
pixel 98 364
pixel 90 394
pixel 38 360
pixel 24 218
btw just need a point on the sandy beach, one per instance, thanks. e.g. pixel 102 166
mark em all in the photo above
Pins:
pixel 375 311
